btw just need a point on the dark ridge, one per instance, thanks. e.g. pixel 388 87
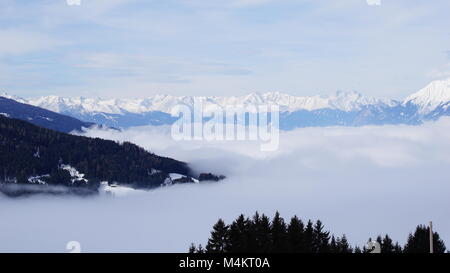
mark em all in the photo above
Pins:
pixel 41 117
pixel 27 150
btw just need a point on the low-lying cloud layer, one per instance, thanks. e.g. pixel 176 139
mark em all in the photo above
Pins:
pixel 358 181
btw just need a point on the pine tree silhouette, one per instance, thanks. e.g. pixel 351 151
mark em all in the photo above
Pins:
pixel 279 234
pixel 239 235
pixel 397 248
pixel 386 244
pixel 333 245
pixel 419 242
pixel 309 237
pixel 192 248
pixel 321 239
pixel 296 235
pixel 219 238
pixel 260 234
pixel 343 246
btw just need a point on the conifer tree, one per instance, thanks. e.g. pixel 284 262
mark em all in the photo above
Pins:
pixel 387 245
pixel 309 237
pixel 321 238
pixel 296 235
pixel 419 242
pixel 192 248
pixel 238 235
pixel 200 249
pixel 343 245
pixel 279 234
pixel 261 234
pixel 333 245
pixel 397 248
pixel 252 232
pixel 219 238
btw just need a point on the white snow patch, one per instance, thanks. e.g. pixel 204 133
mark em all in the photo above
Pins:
pixel 76 175
pixel 174 176
pixel 116 190
pixel 46 118
pixel 154 171
pixel 38 179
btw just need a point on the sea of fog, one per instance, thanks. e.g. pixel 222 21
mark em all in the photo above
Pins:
pixel 359 181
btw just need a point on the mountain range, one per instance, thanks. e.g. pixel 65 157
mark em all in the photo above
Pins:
pixel 341 108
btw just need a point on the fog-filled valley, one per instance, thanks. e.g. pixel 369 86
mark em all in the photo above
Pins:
pixel 360 181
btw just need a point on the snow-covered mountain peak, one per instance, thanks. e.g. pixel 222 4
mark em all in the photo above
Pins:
pixel 431 96
pixel 12 97
pixel 340 100
pixel 78 104
pixel 345 101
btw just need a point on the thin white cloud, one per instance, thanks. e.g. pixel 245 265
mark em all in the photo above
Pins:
pixel 291 46
pixel 241 3
pixel 227 3
pixel 19 41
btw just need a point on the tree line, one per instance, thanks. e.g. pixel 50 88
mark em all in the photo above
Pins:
pixel 259 234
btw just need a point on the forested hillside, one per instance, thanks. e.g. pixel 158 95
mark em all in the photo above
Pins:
pixel 33 155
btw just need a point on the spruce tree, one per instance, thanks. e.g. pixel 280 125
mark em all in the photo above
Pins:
pixel 200 249
pixel 252 233
pixel 419 242
pixel 321 239
pixel 238 236
pixel 397 248
pixel 309 237
pixel 219 238
pixel 296 235
pixel 192 248
pixel 333 245
pixel 261 234
pixel 387 245
pixel 343 245
pixel 279 234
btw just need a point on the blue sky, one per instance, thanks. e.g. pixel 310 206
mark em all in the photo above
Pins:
pixel 137 48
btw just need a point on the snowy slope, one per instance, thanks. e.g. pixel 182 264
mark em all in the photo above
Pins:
pixel 429 98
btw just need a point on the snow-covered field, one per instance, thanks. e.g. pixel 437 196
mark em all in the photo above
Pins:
pixel 359 181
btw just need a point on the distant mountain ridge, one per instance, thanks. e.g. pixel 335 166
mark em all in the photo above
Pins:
pixel 41 117
pixel 341 108
pixel 345 101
